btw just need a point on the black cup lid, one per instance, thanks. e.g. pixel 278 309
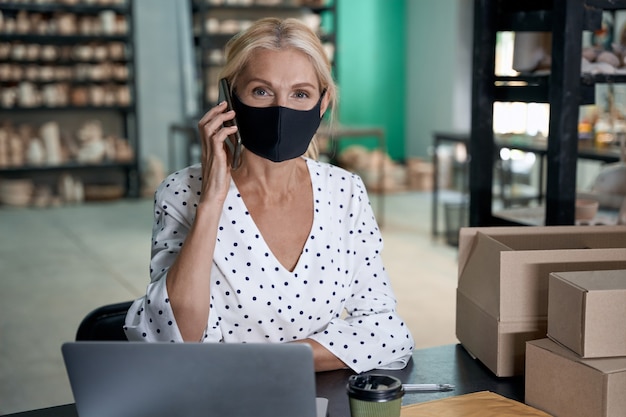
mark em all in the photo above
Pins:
pixel 374 387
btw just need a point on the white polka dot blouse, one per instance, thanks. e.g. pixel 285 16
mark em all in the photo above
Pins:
pixel 338 294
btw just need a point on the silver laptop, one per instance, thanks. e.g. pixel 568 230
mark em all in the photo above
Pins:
pixel 137 379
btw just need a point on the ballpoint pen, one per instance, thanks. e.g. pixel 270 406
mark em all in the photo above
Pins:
pixel 427 387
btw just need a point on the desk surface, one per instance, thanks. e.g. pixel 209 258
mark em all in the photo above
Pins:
pixel 449 364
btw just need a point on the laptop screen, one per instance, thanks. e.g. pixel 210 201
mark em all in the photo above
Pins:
pixel 137 379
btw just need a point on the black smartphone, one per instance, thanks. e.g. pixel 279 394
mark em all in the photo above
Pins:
pixel 233 142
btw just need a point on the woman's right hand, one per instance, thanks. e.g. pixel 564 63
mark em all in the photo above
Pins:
pixel 216 172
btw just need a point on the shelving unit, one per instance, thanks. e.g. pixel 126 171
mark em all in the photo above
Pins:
pixel 71 65
pixel 215 22
pixel 565 89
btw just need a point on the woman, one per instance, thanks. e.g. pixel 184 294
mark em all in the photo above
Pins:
pixel 278 249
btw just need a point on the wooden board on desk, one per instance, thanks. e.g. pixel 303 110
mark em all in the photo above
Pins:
pixel 483 404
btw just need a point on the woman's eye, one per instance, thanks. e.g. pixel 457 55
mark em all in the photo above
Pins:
pixel 259 92
pixel 301 94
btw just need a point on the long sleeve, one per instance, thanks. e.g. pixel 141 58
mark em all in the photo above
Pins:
pixel 150 318
pixel 371 335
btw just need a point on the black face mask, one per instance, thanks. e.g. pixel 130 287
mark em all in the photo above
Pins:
pixel 276 133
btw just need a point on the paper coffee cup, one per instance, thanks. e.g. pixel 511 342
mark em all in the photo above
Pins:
pixel 375 395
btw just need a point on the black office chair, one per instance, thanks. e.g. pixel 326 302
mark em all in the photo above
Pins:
pixel 104 323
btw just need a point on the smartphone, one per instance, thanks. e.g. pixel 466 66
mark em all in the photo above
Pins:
pixel 233 142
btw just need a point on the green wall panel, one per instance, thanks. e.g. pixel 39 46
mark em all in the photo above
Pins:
pixel 371 68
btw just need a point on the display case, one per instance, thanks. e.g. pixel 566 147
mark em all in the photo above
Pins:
pixel 68 129
pixel 564 87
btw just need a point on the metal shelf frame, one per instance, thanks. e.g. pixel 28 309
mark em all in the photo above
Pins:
pixel 566 90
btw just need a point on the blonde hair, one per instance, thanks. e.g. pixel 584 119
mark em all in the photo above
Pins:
pixel 276 35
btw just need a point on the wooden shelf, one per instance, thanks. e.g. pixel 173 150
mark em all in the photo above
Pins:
pixel 122 117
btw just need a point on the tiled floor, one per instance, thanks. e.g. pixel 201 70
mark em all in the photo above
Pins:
pixel 58 264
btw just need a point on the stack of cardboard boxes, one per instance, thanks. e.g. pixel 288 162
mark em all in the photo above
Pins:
pixel 580 369
pixel 511 296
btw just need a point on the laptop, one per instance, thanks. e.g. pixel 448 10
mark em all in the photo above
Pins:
pixel 138 379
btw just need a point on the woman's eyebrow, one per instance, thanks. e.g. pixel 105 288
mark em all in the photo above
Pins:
pixel 259 80
pixel 303 84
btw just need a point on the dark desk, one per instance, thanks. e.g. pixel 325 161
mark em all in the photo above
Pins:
pixel 444 364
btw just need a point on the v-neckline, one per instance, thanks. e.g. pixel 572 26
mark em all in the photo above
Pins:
pixel 260 234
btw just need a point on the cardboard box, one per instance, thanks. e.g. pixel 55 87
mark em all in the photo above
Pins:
pixel 502 293
pixel 586 312
pixel 561 383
